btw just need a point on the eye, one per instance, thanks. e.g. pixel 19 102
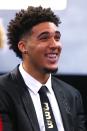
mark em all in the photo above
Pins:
pixel 57 36
pixel 44 37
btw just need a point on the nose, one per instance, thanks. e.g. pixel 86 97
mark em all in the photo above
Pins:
pixel 55 45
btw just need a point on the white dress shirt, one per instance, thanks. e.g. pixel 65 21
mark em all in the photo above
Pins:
pixel 34 86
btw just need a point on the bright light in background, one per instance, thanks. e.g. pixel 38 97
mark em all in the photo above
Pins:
pixel 23 4
pixel 2 34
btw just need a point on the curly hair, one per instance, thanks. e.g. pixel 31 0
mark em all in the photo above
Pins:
pixel 24 21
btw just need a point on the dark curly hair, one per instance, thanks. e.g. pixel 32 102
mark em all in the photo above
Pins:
pixel 24 21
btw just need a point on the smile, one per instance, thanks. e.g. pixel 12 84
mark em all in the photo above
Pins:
pixel 52 57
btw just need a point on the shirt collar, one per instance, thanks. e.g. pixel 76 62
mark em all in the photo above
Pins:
pixel 32 83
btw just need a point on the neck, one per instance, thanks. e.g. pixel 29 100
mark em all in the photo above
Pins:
pixel 39 76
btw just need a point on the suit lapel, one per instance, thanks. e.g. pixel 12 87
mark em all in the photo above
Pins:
pixel 29 107
pixel 63 105
pixel 26 99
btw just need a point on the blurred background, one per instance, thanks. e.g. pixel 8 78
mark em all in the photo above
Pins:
pixel 73 60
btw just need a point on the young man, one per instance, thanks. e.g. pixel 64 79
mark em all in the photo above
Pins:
pixel 35 37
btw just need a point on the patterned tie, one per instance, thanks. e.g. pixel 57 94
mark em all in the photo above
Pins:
pixel 49 119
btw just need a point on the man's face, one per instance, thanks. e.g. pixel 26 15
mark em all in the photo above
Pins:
pixel 44 47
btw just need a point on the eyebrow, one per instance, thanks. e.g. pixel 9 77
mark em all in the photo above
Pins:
pixel 47 33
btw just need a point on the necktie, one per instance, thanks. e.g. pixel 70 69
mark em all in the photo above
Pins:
pixel 49 119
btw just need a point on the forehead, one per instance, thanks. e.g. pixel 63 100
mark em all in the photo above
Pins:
pixel 44 27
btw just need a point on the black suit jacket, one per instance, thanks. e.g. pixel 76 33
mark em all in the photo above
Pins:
pixel 17 111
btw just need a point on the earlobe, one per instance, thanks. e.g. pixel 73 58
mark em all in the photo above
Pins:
pixel 25 52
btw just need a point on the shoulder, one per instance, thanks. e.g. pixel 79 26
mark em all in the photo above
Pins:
pixel 11 85
pixel 4 78
pixel 65 87
pixel 7 79
pixel 6 83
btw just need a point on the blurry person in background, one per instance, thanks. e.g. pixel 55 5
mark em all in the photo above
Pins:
pixel 2 35
pixel 35 38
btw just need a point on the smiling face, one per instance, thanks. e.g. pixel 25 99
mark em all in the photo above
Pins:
pixel 43 48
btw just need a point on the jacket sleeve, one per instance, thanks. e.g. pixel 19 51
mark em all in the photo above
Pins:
pixel 81 117
pixel 6 123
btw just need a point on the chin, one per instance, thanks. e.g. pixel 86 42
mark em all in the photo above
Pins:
pixel 50 70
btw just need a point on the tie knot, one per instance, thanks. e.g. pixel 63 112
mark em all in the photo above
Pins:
pixel 43 90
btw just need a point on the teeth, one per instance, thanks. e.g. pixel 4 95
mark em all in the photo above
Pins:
pixel 52 55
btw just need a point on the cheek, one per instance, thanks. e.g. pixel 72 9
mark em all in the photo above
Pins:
pixel 37 48
pixel 36 52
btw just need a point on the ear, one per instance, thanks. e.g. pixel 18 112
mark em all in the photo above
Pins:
pixel 22 46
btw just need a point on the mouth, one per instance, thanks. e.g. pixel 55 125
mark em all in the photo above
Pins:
pixel 52 57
